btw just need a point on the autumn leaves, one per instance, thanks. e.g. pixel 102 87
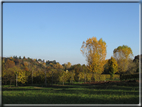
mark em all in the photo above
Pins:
pixel 95 52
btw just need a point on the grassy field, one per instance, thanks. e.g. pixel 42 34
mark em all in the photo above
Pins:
pixel 72 94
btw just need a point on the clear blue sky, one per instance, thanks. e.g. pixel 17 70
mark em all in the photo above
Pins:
pixel 55 31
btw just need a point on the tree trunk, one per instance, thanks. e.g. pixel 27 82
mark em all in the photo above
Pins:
pixel 94 76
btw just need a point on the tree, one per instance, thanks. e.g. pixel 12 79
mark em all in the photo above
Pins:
pixel 81 76
pixel 71 76
pixel 10 75
pixel 77 69
pixel 122 54
pixel 84 68
pixel 113 67
pixel 20 75
pixel 95 52
pixel 89 76
pixel 19 57
pixel 9 64
pixel 136 60
pixel 67 66
pixel 133 66
pixel 106 67
pixel 63 76
pixel 24 57
pixel 57 66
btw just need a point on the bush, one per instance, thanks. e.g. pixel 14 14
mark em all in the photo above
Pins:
pixel 129 76
pixel 104 77
pixel 100 77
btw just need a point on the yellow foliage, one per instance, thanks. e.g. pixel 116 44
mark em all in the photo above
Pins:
pixel 64 76
pixel 89 76
pixel 71 75
pixel 25 63
pixel 95 53
pixel 81 75
pixel 22 77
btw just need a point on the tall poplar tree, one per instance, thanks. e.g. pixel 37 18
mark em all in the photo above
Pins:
pixel 95 52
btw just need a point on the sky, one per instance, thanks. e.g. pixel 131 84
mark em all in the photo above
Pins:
pixel 56 31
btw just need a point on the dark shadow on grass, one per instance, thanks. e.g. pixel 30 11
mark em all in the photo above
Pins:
pixel 19 89
pixel 69 87
pixel 62 99
pixel 96 92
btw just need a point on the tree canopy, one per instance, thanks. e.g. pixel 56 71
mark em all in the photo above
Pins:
pixel 95 52
pixel 123 54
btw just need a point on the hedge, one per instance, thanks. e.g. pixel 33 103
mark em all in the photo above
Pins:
pixel 104 77
pixel 129 76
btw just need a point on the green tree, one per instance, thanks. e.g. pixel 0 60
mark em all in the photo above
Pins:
pixel 113 67
pixel 84 68
pixel 71 76
pixel 63 76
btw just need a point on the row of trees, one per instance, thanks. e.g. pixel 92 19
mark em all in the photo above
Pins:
pixel 95 52
pixel 30 71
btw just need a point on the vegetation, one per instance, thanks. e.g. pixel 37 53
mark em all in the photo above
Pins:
pixel 72 94
pixel 123 54
pixel 129 76
pixel 71 84
pixel 113 67
pixel 95 53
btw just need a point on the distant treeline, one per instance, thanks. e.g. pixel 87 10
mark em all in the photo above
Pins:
pixel 17 70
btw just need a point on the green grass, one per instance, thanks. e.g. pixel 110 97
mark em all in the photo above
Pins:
pixel 71 94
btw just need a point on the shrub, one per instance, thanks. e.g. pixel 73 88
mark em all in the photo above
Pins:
pixel 100 77
pixel 129 76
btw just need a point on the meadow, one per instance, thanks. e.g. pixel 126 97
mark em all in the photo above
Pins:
pixel 123 93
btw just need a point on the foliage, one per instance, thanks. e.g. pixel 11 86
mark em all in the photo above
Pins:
pixel 113 67
pixel 129 76
pixel 133 67
pixel 29 71
pixel 122 54
pixel 89 76
pixel 95 52
pixel 9 63
pixel 63 77
pixel 106 67
pixel 71 75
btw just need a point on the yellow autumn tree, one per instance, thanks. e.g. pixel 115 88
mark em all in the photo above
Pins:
pixel 64 76
pixel 95 52
pixel 123 54
pixel 71 76
pixel 20 75
pixel 112 66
